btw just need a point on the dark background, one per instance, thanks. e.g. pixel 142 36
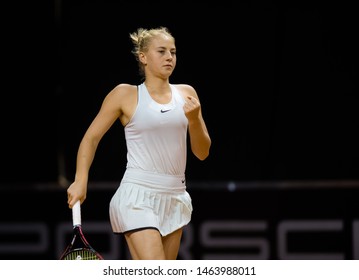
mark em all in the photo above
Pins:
pixel 279 91
pixel 278 85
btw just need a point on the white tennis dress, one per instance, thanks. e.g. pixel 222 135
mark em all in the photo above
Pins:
pixel 152 192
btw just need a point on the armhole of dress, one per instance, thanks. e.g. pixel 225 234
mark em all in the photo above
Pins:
pixel 138 94
pixel 176 91
pixel 138 101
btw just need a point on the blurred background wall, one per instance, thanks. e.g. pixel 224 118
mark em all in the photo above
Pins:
pixel 279 91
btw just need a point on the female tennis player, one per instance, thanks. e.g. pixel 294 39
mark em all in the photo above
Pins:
pixel 151 205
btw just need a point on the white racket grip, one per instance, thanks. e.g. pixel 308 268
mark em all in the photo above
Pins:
pixel 76 213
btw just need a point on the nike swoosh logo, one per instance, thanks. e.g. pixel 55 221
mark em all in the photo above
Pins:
pixel 164 111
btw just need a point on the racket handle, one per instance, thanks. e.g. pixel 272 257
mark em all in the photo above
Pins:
pixel 76 213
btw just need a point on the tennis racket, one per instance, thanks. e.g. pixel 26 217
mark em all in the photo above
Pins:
pixel 79 248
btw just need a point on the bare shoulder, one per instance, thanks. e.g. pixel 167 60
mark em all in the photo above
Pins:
pixel 123 99
pixel 123 91
pixel 186 90
pixel 121 95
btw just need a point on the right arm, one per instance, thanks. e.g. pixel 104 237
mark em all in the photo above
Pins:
pixel 110 111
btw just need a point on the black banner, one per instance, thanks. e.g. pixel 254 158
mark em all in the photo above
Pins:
pixel 230 221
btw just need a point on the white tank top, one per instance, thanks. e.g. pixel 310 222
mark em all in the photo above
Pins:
pixel 156 135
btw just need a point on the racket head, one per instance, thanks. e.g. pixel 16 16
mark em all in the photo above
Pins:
pixel 82 254
pixel 79 248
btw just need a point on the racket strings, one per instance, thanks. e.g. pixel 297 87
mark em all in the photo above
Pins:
pixel 82 255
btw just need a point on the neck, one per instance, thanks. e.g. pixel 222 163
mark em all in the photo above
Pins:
pixel 157 86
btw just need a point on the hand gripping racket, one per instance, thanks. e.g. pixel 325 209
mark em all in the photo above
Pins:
pixel 79 248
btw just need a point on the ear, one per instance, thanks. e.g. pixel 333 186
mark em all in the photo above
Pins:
pixel 142 58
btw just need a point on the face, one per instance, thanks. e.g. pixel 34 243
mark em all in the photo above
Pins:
pixel 160 59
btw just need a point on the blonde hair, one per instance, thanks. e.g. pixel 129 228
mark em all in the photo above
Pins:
pixel 141 39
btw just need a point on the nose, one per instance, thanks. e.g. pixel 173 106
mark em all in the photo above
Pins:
pixel 169 55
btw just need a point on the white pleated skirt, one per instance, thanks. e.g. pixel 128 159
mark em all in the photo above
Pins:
pixel 149 200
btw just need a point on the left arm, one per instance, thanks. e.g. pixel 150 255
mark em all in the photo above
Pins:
pixel 199 136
